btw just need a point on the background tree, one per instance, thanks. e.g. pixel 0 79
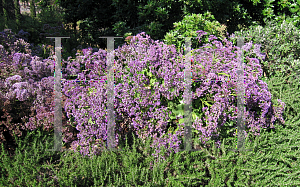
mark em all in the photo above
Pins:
pixel 9 14
pixel 32 9
pixel 9 9
pixel 118 17
pixel 156 18
pixel 17 13
pixel 1 8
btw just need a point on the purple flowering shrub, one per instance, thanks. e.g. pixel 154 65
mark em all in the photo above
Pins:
pixel 149 84
pixel 26 89
pixel 92 122
pixel 218 62
pixel 14 42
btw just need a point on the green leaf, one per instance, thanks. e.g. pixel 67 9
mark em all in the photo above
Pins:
pixel 223 74
pixel 179 110
pixel 180 121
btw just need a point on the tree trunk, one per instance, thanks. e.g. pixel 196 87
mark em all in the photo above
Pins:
pixel 1 8
pixel 9 10
pixel 74 27
pixel 32 9
pixel 17 13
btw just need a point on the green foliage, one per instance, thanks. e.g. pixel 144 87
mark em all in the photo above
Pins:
pixel 235 14
pixel 9 19
pixel 280 43
pixel 156 18
pixel 275 150
pixel 32 9
pixel 17 12
pixel 294 19
pixel 192 23
pixel 295 7
pixel 2 23
pixel 286 10
pixel 9 9
pixel 50 14
pixel 286 88
pixel 94 22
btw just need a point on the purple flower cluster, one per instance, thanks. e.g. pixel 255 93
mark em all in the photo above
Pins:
pixel 14 43
pixel 146 73
pixel 26 88
pixel 148 77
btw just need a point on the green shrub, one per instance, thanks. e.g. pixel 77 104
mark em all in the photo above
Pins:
pixel 192 23
pixel 294 19
pixel 50 14
pixel 280 43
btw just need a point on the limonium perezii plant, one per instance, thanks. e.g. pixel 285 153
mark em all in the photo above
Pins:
pixel 149 84
pixel 26 88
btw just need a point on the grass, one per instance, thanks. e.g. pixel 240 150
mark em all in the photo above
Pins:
pixel 273 162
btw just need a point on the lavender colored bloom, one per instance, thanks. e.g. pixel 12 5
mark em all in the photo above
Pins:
pixel 212 37
pixel 17 57
pixel 133 96
pixel 13 78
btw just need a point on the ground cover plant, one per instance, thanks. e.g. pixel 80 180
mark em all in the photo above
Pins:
pixel 274 162
pixel 171 171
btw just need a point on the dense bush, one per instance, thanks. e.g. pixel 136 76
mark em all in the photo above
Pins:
pixel 149 86
pixel 26 85
pixel 188 27
pixel 280 43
